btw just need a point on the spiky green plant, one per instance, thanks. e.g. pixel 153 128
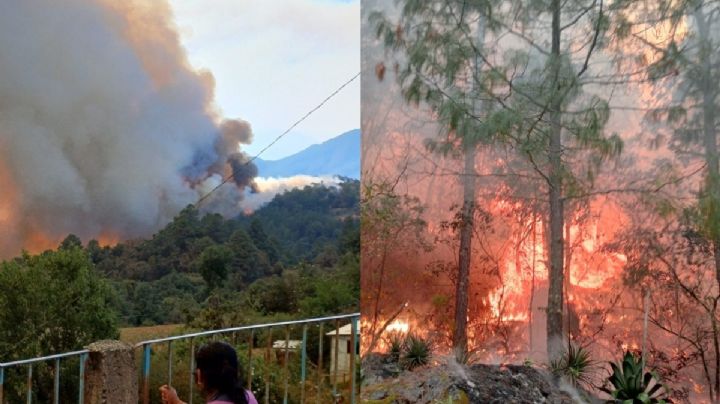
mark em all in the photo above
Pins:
pixel 470 357
pixel 417 351
pixel 631 384
pixel 395 344
pixel 576 365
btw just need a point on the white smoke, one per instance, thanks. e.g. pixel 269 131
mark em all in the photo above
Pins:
pixel 267 188
pixel 104 126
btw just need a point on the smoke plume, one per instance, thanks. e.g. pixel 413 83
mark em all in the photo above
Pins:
pixel 105 128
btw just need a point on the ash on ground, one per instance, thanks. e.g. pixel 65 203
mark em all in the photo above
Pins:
pixel 447 382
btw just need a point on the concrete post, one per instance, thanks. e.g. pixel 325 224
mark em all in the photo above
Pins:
pixel 111 374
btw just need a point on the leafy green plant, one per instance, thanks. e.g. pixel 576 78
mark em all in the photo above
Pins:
pixel 575 364
pixel 631 384
pixel 416 353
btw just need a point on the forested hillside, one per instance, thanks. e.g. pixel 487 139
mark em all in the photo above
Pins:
pixel 301 233
pixel 296 256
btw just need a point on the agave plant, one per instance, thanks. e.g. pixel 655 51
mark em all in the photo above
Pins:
pixel 417 351
pixel 631 384
pixel 396 343
pixel 576 365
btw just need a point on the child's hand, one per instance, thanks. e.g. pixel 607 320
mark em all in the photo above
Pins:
pixel 168 395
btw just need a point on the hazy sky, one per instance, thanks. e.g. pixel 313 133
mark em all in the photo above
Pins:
pixel 275 60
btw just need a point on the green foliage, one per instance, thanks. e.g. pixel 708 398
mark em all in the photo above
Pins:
pixel 213 264
pixel 70 242
pixel 630 384
pixel 416 352
pixel 59 303
pixel 205 271
pixel 575 364
pixel 169 278
pixel 303 221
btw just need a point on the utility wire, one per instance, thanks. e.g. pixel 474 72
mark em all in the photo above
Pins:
pixel 320 105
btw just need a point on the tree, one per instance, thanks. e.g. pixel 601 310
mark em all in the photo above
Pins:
pixel 679 257
pixel 58 301
pixel 214 262
pixel 263 242
pixel 70 242
pixel 441 44
pixel 520 96
pixel 248 262
pixel 51 303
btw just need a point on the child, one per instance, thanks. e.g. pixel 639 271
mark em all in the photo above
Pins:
pixel 216 375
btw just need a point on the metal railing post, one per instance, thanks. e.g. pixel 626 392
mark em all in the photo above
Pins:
pixel 2 384
pixel 303 364
pixel 286 372
pixel 192 369
pixel 169 365
pixel 354 344
pixel 268 359
pixel 146 373
pixel 250 363
pixel 56 388
pixel 29 384
pixel 335 355
pixel 320 365
pixel 81 388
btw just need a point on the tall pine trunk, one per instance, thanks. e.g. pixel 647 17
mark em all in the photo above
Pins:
pixel 462 286
pixel 556 276
pixel 465 256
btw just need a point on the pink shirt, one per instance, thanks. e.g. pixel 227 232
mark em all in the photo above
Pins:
pixel 248 394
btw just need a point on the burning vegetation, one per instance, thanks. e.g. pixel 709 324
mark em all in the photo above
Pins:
pixel 544 177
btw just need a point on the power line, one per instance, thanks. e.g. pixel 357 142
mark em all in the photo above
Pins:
pixel 320 105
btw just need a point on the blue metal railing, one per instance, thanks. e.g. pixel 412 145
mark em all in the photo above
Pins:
pixel 147 350
pixel 56 382
pixel 354 342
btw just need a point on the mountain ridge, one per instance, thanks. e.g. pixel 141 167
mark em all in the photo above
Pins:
pixel 337 156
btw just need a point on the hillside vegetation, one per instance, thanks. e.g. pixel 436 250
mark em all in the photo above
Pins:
pixel 295 257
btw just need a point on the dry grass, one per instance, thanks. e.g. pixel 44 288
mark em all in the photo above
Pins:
pixel 133 335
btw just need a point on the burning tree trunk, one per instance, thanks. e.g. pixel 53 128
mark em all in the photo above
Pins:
pixel 555 182
pixel 465 256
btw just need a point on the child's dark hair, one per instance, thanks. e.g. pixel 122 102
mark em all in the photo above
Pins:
pixel 219 365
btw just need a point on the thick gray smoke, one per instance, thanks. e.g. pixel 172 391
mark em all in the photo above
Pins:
pixel 105 129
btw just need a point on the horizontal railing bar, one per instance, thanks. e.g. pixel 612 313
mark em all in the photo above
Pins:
pixel 178 337
pixel 43 358
pixel 244 328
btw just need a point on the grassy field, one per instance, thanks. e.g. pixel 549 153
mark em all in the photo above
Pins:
pixel 133 335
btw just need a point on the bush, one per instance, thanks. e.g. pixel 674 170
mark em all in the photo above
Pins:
pixel 576 365
pixel 416 353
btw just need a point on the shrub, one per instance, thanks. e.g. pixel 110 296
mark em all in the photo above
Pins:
pixel 575 365
pixel 396 344
pixel 417 351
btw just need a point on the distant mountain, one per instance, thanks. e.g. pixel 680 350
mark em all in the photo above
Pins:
pixel 337 156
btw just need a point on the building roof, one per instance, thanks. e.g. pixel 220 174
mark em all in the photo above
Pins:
pixel 344 330
pixel 292 344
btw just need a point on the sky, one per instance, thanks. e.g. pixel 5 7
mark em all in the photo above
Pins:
pixel 275 60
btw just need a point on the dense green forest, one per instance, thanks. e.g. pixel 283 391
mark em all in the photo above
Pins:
pixel 295 257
